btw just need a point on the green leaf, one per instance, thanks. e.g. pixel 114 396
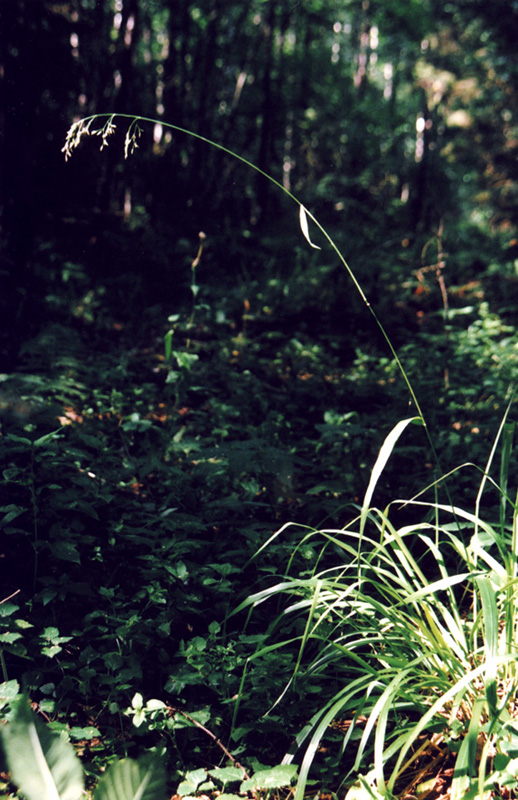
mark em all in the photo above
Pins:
pixel 42 764
pixel 185 360
pixel 79 734
pixel 272 778
pixel 49 437
pixel 12 512
pixel 9 691
pixel 66 551
pixel 9 638
pixel 491 621
pixel 191 782
pixel 6 609
pixel 133 780
pixel 52 633
pixel 227 774
pixel 465 764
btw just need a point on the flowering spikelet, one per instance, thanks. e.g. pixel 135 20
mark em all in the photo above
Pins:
pixel 130 142
pixel 82 128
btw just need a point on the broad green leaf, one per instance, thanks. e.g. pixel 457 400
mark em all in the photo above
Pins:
pixel 303 218
pixel 10 637
pixel 88 732
pixel 185 360
pixel 6 608
pixel 9 691
pixel 272 778
pixel 51 633
pixel 227 774
pixel 191 782
pixel 42 764
pixel 133 780
pixel 66 551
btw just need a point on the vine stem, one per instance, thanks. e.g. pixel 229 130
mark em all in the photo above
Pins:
pixel 10 596
pixel 214 738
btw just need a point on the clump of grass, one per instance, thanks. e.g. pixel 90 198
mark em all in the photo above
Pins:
pixel 423 648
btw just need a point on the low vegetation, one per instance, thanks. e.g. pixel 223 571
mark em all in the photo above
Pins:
pixel 232 565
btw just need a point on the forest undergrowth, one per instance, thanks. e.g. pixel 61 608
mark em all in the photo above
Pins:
pixel 226 544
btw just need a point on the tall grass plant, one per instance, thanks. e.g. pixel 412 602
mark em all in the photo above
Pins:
pixel 413 626
pixel 418 626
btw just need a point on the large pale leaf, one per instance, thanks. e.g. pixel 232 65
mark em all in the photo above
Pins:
pixel 42 764
pixel 133 780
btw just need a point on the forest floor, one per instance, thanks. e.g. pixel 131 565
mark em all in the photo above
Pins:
pixel 145 465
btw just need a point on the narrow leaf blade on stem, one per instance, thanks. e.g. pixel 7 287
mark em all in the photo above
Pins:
pixel 303 218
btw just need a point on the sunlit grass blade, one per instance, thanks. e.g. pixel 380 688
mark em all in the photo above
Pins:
pixel 309 622
pixel 490 614
pixel 465 763
pixel 507 447
pixel 378 718
pixel 381 461
pixel 456 692
pixel 354 690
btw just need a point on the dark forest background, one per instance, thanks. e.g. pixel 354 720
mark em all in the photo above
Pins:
pixel 391 121
pixel 169 400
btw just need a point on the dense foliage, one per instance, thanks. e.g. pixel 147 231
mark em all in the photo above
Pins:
pixel 197 554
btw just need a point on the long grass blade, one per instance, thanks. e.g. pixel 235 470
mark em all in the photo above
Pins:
pixel 507 447
pixel 490 615
pixel 465 763
pixel 309 623
pixel 356 689
pixel 383 456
